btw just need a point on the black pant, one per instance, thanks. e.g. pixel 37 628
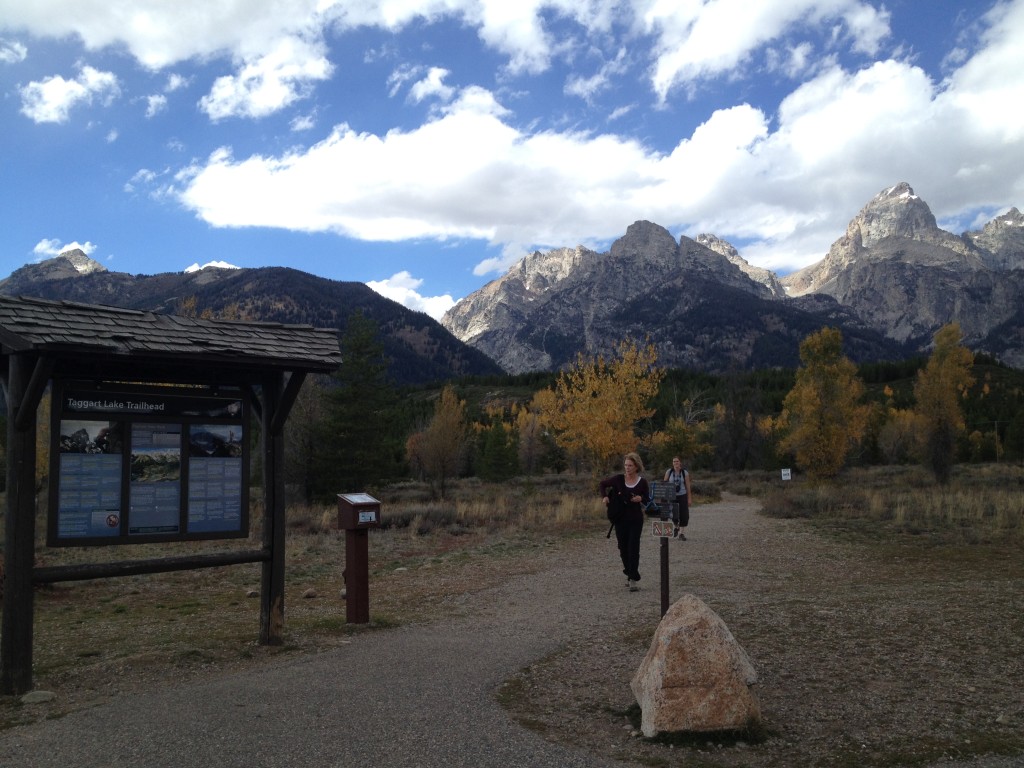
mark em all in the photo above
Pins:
pixel 681 511
pixel 627 534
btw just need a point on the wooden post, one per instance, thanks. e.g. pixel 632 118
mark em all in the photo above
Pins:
pixel 19 532
pixel 272 576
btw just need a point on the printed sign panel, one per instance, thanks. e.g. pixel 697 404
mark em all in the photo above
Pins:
pixel 147 464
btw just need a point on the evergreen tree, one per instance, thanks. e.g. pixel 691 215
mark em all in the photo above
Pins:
pixel 358 440
pixel 498 456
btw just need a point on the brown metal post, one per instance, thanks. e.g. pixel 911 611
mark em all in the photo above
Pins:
pixel 357 576
pixel 19 534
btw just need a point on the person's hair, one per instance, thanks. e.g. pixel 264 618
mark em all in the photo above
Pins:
pixel 635 458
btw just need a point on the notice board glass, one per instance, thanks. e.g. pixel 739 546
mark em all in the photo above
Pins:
pixel 138 464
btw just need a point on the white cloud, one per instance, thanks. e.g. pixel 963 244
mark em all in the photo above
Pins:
pixel 155 104
pixel 11 51
pixel 303 122
pixel 786 183
pixel 175 83
pixel 52 247
pixel 212 264
pixel 403 288
pixel 587 87
pixel 432 86
pixel 142 176
pixel 270 82
pixel 266 38
pixel 112 135
pixel 51 100
pixel 715 38
pixel 161 34
pixel 401 75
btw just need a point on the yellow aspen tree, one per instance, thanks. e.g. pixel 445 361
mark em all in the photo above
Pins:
pixel 898 436
pixel 939 388
pixel 599 402
pixel 822 414
pixel 678 438
pixel 441 448
pixel 529 427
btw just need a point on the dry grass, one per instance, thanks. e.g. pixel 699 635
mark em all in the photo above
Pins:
pixel 982 505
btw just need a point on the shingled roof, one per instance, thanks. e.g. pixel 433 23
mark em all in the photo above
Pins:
pixel 127 338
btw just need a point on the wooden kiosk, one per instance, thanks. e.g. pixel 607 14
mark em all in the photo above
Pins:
pixel 177 377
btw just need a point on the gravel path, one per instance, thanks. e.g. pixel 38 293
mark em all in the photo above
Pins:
pixel 424 695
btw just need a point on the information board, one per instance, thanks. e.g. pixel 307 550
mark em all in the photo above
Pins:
pixel 89 478
pixel 147 464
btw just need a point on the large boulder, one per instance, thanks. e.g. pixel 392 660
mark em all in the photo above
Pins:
pixel 695 677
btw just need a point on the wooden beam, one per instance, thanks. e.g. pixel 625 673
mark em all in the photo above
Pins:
pixel 254 400
pixel 19 535
pixel 33 393
pixel 284 405
pixel 83 571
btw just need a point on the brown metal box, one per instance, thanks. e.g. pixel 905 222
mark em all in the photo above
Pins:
pixel 358 510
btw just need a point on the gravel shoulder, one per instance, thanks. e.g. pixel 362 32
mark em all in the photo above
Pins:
pixel 861 661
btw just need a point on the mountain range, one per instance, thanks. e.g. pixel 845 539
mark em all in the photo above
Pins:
pixel 418 349
pixel 888 283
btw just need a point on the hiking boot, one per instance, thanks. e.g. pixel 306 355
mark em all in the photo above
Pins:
pixel 634 586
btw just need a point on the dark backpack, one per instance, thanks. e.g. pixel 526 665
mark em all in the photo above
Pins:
pixel 616 505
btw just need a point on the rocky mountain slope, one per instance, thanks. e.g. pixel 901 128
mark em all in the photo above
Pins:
pixel 904 275
pixel 699 307
pixel 888 283
pixel 419 350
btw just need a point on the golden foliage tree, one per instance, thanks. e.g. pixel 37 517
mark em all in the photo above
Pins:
pixel 597 403
pixel 440 449
pixel 680 437
pixel 529 429
pixel 939 388
pixel 897 437
pixel 822 414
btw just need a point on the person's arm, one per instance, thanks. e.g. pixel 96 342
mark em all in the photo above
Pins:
pixel 686 479
pixel 668 475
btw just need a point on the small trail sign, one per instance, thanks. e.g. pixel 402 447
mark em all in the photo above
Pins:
pixel 662 528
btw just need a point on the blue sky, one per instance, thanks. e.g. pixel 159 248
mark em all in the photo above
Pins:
pixel 423 146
